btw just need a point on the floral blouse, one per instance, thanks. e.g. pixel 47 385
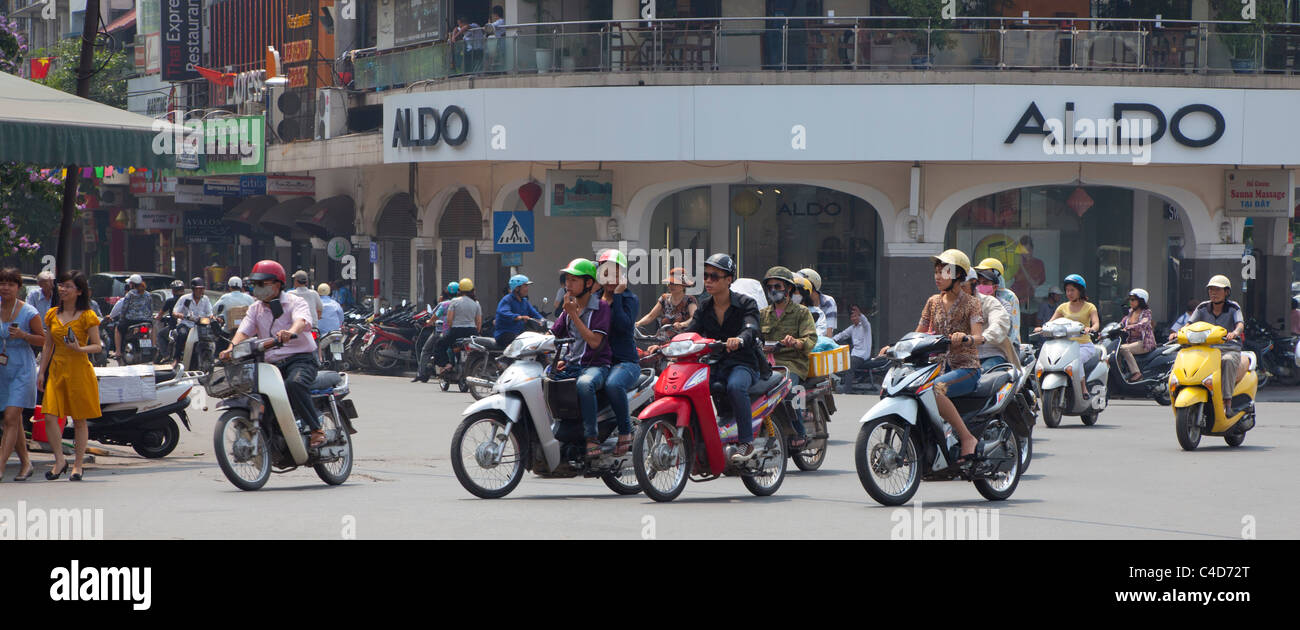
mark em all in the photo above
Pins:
pixel 962 317
pixel 1140 330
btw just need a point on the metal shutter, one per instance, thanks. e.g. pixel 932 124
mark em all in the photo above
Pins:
pixel 396 229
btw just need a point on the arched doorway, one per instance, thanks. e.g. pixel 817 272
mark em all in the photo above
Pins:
pixel 459 229
pixel 395 230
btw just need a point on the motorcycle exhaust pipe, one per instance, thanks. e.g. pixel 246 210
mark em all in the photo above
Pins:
pixel 479 382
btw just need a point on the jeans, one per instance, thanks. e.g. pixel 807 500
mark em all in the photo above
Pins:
pixel 959 381
pixel 988 363
pixel 590 380
pixel 299 372
pixel 503 340
pixel 797 420
pixel 622 378
pixel 739 379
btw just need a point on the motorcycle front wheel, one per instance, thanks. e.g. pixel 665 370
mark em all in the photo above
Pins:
pixel 1053 407
pixel 1002 486
pixel 889 467
pixel 662 454
pixel 1187 424
pixel 242 450
pixel 337 471
pixel 487 462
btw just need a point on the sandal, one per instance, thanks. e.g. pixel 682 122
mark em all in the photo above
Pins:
pixel 31 468
pixel 317 438
pixel 624 445
pixel 593 450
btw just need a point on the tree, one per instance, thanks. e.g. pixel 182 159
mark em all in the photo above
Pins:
pixel 112 69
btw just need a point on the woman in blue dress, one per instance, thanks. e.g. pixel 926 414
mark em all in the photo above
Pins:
pixel 20 330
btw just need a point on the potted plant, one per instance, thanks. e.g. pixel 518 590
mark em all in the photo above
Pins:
pixel 1244 42
pixel 922 34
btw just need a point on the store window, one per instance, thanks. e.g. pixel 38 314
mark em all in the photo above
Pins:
pixel 1044 233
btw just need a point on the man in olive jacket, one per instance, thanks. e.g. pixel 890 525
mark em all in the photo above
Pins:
pixel 790 325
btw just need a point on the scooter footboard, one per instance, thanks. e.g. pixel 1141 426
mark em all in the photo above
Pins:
pixel 1188 396
pixel 903 407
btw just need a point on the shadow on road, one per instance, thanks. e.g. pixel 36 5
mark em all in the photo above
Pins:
pixel 962 503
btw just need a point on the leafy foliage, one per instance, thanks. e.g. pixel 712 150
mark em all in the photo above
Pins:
pixel 108 86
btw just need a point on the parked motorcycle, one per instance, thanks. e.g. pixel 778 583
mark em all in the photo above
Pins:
pixel 904 440
pixel 1070 387
pixel 1276 354
pixel 1197 385
pixel 689 432
pixel 148 427
pixel 257 433
pixel 485 360
pixel 394 340
pixel 1154 366
pixel 532 422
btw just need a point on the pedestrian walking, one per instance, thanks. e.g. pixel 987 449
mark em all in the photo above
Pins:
pixel 20 329
pixel 72 390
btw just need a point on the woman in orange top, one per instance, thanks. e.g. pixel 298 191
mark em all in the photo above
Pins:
pixel 72 390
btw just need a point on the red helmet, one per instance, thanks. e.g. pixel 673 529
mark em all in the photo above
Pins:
pixel 267 270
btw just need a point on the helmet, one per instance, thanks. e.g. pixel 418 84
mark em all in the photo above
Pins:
pixel 954 257
pixel 612 255
pixel 989 274
pixel 267 270
pixel 580 267
pixel 812 276
pixel 677 275
pixel 177 284
pixel 971 275
pixel 235 282
pixel 135 279
pixel 780 273
pixel 466 285
pixel 803 283
pixel 723 262
pixel 196 283
pixel 1077 279
pixel 991 263
pixel 1055 289
pixel 518 280
pixel 323 289
pixel 1141 294
pixel 453 288
pixel 1219 281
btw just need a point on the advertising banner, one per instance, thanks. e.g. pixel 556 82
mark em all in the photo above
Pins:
pixel 579 193
pixel 182 39
pixel 207 227
pixel 156 220
pixel 1265 194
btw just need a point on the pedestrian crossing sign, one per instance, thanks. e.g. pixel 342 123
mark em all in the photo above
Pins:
pixel 512 232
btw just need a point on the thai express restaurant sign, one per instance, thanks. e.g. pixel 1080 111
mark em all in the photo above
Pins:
pixel 182 39
pixel 1259 193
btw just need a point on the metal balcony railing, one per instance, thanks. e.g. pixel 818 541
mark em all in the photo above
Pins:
pixel 841 43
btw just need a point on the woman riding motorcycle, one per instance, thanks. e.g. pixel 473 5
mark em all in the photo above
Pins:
pixel 1141 336
pixel 673 307
pixel 993 281
pixel 997 347
pixel 1078 308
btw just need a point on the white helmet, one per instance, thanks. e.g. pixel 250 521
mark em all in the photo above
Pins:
pixel 1141 294
pixel 135 279
pixel 235 282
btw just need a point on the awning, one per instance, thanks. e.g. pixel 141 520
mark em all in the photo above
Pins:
pixel 329 218
pixel 244 218
pixel 282 219
pixel 46 127
pixel 127 20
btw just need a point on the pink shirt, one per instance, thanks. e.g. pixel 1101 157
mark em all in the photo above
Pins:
pixel 259 323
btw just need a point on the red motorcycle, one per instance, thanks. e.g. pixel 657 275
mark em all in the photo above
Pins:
pixel 681 436
pixel 391 345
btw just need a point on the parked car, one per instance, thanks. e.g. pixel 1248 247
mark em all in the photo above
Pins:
pixel 108 287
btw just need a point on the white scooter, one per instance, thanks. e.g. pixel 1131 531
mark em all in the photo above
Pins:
pixel 1070 388
pixel 200 345
pixel 533 422
pixel 258 430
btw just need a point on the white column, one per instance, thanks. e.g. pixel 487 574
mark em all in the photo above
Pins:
pixel 512 10
pixel 720 220
pixel 1142 235
pixel 625 9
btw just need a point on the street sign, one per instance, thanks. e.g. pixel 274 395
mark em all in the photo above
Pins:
pixel 512 232
pixel 338 247
pixel 512 260
pixel 374 253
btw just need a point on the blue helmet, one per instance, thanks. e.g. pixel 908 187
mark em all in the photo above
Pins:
pixel 518 280
pixel 453 288
pixel 1075 278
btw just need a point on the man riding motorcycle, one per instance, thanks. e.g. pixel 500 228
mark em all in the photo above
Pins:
pixel 1221 311
pixel 188 310
pixel 512 310
pixel 791 325
pixel 586 319
pixel 136 307
pixel 281 315
pixel 236 298
pixel 825 302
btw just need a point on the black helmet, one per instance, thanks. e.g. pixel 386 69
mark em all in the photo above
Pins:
pixel 723 262
pixel 196 283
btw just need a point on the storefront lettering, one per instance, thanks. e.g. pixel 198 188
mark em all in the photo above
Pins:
pixel 429 127
pixel 1033 122
pixel 295 52
pixel 300 21
pixel 811 209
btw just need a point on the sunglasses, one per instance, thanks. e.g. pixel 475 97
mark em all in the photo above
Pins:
pixel 714 276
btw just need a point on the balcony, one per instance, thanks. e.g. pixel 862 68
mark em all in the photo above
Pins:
pixel 820 44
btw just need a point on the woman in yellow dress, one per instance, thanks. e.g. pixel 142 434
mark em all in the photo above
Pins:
pixel 72 390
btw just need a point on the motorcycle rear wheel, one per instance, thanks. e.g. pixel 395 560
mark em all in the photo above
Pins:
pixel 384 364
pixel 1026 447
pixel 624 483
pixel 477 366
pixel 336 472
pixel 1187 424
pixel 1002 488
pixel 811 458
pixel 1235 440
pixel 159 442
pixel 482 429
pixel 868 453
pixel 232 427
pixel 766 482
pixel 662 456
pixel 1052 410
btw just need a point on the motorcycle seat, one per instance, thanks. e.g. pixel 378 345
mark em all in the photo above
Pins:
pixel 162 376
pixel 990 382
pixel 326 381
pixel 646 379
pixel 488 343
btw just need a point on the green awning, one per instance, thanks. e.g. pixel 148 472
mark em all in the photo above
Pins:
pixel 47 127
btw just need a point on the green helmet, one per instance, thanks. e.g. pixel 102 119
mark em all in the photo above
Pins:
pixel 780 273
pixel 581 267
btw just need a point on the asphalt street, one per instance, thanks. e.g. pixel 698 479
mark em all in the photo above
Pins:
pixel 1125 478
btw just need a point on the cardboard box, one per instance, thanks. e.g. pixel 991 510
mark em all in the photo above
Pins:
pixel 829 362
pixel 131 383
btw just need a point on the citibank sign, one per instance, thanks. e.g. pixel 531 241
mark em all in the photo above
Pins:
pixel 1033 122
pixel 426 126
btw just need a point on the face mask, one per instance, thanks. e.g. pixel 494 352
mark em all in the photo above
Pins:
pixel 987 289
pixel 797 299
pixel 263 292
pixel 775 297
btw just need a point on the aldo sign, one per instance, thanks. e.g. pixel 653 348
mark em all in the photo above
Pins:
pixel 426 127
pixel 435 127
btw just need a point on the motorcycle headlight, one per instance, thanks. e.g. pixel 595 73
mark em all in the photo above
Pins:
pixel 1198 337
pixel 682 348
pixel 243 350
pixel 515 347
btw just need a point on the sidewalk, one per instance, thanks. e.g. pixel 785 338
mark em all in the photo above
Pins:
pixel 1279 394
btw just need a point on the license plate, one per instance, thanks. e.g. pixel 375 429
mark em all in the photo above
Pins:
pixel 336 347
pixel 145 343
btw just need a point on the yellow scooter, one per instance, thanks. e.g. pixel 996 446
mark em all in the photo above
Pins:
pixel 1196 385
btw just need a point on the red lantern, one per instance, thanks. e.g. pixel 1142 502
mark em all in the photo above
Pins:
pixel 529 193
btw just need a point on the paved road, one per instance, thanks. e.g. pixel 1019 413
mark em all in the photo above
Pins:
pixel 1123 478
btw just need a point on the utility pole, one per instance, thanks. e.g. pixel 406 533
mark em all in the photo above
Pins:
pixel 89 32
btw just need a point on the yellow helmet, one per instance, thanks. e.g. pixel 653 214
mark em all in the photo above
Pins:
pixel 803 283
pixel 956 258
pixel 991 263
pixel 1219 281
pixel 466 285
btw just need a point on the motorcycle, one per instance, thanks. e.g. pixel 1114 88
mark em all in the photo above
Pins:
pixel 689 433
pixel 1070 387
pixel 394 341
pixel 137 344
pixel 1154 367
pixel 532 422
pixel 1196 382
pixel 200 344
pixel 813 402
pixel 330 346
pixel 484 360
pixel 166 328
pixel 257 433
pixel 1276 354
pixel 904 440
